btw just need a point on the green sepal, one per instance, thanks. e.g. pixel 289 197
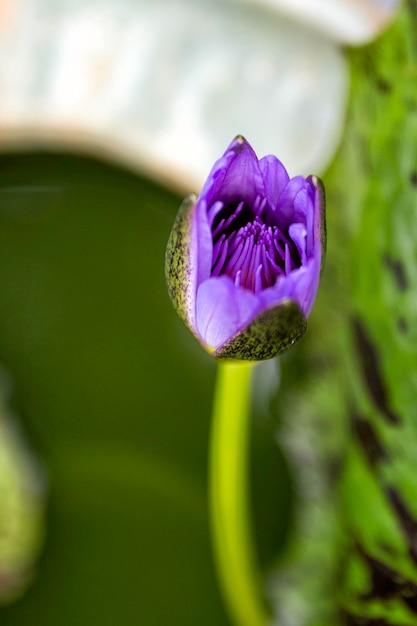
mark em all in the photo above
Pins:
pixel 322 223
pixel 270 334
pixel 177 262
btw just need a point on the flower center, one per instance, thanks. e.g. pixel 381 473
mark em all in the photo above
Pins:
pixel 253 253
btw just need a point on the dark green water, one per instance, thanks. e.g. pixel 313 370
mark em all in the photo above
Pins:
pixel 115 397
pixel 113 393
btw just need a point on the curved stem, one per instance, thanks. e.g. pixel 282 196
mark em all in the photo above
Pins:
pixel 229 497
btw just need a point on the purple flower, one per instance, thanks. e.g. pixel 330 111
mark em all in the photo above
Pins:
pixel 243 260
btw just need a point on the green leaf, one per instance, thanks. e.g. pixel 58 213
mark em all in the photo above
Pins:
pixel 349 391
pixel 383 536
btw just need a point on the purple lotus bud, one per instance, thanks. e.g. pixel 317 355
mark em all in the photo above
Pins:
pixel 244 259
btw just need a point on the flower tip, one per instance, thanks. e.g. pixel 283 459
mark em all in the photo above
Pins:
pixel 190 199
pixel 239 144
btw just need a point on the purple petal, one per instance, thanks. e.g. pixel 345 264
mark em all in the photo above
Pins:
pixel 223 309
pixel 300 286
pixel 306 284
pixel 201 243
pixel 235 176
pixel 275 177
pixel 304 213
pixel 285 207
pixel 298 234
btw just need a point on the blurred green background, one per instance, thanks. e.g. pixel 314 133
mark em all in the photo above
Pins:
pixel 114 396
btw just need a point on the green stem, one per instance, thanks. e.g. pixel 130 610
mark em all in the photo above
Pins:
pixel 229 497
